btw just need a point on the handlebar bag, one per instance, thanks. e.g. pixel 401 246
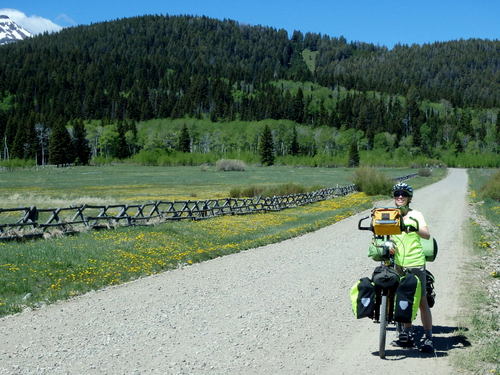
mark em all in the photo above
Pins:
pixel 407 299
pixel 363 298
pixel 385 277
pixel 386 221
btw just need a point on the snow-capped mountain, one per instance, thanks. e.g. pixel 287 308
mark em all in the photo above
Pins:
pixel 11 31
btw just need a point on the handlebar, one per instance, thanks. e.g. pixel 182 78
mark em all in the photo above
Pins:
pixel 360 227
pixel 413 229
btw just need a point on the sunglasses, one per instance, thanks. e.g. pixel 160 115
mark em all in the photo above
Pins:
pixel 401 194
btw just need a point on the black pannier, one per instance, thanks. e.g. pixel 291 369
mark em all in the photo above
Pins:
pixel 431 294
pixel 407 299
pixel 363 298
pixel 385 277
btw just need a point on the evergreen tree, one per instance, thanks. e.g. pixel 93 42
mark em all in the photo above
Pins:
pixel 80 143
pixel 60 146
pixel 298 107
pixel 353 157
pixel 184 141
pixel 122 150
pixel 266 148
pixel 294 145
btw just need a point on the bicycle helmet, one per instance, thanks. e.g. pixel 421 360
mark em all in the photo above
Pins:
pixel 402 186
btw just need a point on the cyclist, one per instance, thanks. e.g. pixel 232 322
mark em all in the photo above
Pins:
pixel 408 254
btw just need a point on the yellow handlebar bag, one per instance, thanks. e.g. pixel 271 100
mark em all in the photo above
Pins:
pixel 386 221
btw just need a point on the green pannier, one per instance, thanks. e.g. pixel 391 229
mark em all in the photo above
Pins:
pixel 430 248
pixel 363 298
pixel 375 249
pixel 407 299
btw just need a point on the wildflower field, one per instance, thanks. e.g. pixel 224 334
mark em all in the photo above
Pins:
pixel 42 271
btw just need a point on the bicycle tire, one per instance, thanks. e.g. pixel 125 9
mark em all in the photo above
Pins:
pixel 383 327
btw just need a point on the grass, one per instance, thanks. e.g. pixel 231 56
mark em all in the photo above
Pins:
pixel 37 272
pixel 42 271
pixel 480 307
pixel 113 184
pixel 483 190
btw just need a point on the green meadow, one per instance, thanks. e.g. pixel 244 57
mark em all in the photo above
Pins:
pixel 123 183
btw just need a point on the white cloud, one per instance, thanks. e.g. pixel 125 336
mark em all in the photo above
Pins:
pixel 66 19
pixel 34 24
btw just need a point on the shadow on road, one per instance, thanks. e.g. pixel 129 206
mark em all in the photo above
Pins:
pixel 444 339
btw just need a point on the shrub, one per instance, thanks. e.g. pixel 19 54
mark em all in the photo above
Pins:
pixel 270 191
pixel 372 182
pixel 10 164
pixel 492 187
pixel 230 165
pixel 425 172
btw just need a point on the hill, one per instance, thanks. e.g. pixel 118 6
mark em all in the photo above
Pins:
pixel 174 66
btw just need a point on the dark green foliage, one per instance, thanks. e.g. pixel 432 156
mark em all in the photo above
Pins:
pixel 221 70
pixel 184 141
pixel 80 143
pixel 60 145
pixel 294 145
pixel 266 147
pixel 353 156
pixel 122 149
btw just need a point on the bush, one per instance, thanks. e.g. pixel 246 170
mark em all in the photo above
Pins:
pixel 492 187
pixel 230 165
pixel 425 172
pixel 270 191
pixel 372 182
pixel 17 163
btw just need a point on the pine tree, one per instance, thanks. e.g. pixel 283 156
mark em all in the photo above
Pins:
pixel 60 146
pixel 122 150
pixel 294 145
pixel 298 107
pixel 353 159
pixel 266 148
pixel 184 142
pixel 80 143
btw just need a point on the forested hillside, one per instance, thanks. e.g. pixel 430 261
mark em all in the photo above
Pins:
pixel 430 97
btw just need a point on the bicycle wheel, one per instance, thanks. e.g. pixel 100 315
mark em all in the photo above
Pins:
pixel 383 327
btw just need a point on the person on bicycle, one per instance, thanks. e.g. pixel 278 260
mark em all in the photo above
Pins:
pixel 409 255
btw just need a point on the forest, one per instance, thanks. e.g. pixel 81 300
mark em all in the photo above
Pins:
pixel 170 85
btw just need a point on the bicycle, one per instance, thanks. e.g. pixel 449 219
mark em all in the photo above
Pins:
pixel 385 222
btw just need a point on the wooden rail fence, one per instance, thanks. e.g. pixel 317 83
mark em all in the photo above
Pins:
pixel 32 222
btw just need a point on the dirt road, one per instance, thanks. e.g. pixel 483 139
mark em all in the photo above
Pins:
pixel 278 309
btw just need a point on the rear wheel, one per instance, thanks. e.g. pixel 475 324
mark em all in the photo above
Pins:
pixel 383 327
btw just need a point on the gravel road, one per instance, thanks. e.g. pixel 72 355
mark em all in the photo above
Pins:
pixel 277 309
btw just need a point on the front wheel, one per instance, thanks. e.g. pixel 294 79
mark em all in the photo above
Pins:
pixel 383 327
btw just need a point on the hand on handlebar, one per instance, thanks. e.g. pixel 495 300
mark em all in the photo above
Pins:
pixel 410 228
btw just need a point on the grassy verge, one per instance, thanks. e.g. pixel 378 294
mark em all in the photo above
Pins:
pixel 480 291
pixel 39 272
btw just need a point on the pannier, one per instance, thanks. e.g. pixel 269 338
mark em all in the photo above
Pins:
pixel 376 251
pixel 407 299
pixel 363 298
pixel 385 277
pixel 429 287
pixel 430 248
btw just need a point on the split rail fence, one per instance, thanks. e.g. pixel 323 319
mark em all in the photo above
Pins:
pixel 32 222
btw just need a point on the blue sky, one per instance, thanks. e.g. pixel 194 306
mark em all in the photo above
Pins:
pixel 381 22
